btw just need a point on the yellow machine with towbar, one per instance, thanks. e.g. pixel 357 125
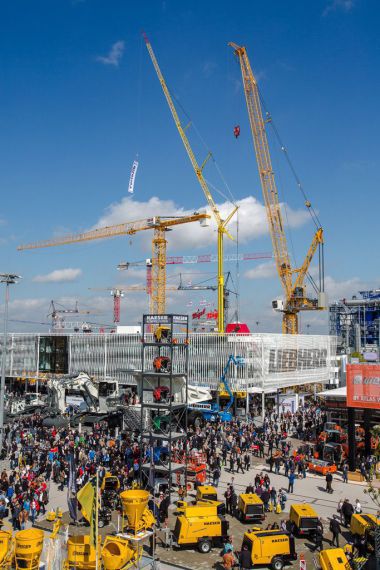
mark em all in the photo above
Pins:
pixel 304 518
pixel 206 496
pixel 250 508
pixel 201 526
pixel 272 548
pixel 364 525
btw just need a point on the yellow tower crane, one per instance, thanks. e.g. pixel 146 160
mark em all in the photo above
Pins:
pixel 295 290
pixel 221 224
pixel 159 224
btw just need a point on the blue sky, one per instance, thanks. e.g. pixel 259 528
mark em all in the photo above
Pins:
pixel 79 99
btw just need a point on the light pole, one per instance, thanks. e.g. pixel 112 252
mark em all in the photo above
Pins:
pixel 8 279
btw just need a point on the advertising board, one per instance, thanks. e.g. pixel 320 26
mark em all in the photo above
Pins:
pixel 363 386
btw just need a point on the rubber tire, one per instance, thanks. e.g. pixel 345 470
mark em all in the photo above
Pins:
pixel 204 546
pixel 277 563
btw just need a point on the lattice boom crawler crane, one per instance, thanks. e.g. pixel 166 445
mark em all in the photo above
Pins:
pixel 296 299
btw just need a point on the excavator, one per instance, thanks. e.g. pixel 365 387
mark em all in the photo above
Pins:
pixel 212 412
pixel 292 279
pixel 79 397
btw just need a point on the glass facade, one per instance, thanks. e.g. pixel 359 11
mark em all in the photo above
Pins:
pixel 270 360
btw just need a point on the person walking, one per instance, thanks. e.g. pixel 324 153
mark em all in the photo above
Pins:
pixel 245 559
pixel 232 464
pixel 339 509
pixel 234 503
pixel 216 477
pixel 329 480
pixel 318 538
pixel 345 473
pixel 228 560
pixel 348 511
pixel 239 464
pixel 286 467
pixel 291 479
pixel 227 496
pixel 358 507
pixel 335 531
pixel 273 497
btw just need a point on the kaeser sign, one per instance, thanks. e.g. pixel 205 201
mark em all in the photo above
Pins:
pixel 363 386
pixel 286 360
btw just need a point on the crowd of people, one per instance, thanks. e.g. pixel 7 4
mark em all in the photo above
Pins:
pixel 38 455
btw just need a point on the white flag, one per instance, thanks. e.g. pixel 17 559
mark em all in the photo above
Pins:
pixel 133 176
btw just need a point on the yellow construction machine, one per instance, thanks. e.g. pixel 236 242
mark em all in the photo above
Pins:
pixel 364 525
pixel 333 559
pixel 201 526
pixel 28 549
pixel 304 518
pixel 270 547
pixel 250 508
pixel 6 549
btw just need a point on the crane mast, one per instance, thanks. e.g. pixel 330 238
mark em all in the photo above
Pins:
pixel 221 224
pixel 295 296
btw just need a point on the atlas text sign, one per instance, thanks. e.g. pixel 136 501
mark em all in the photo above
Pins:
pixel 363 386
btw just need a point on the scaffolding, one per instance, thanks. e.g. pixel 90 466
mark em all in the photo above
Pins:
pixel 355 322
pixel 163 398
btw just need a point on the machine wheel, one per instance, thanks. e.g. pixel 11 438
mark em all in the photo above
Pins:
pixel 277 563
pixel 204 546
pixel 100 523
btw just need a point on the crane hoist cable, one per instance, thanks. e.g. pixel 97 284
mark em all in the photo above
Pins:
pixel 284 150
pixel 292 279
pixel 222 224
pixel 232 198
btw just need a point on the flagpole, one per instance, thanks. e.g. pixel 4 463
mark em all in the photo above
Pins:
pixel 97 520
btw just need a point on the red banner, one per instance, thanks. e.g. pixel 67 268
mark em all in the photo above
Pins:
pixel 363 386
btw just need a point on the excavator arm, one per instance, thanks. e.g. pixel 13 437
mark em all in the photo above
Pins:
pixel 224 381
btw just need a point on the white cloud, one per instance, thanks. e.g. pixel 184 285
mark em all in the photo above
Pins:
pixel 344 289
pixel 335 5
pixel 114 55
pixel 251 217
pixel 262 271
pixel 27 305
pixel 132 273
pixel 59 276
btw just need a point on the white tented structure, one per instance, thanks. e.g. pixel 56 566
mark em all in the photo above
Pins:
pixel 270 361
